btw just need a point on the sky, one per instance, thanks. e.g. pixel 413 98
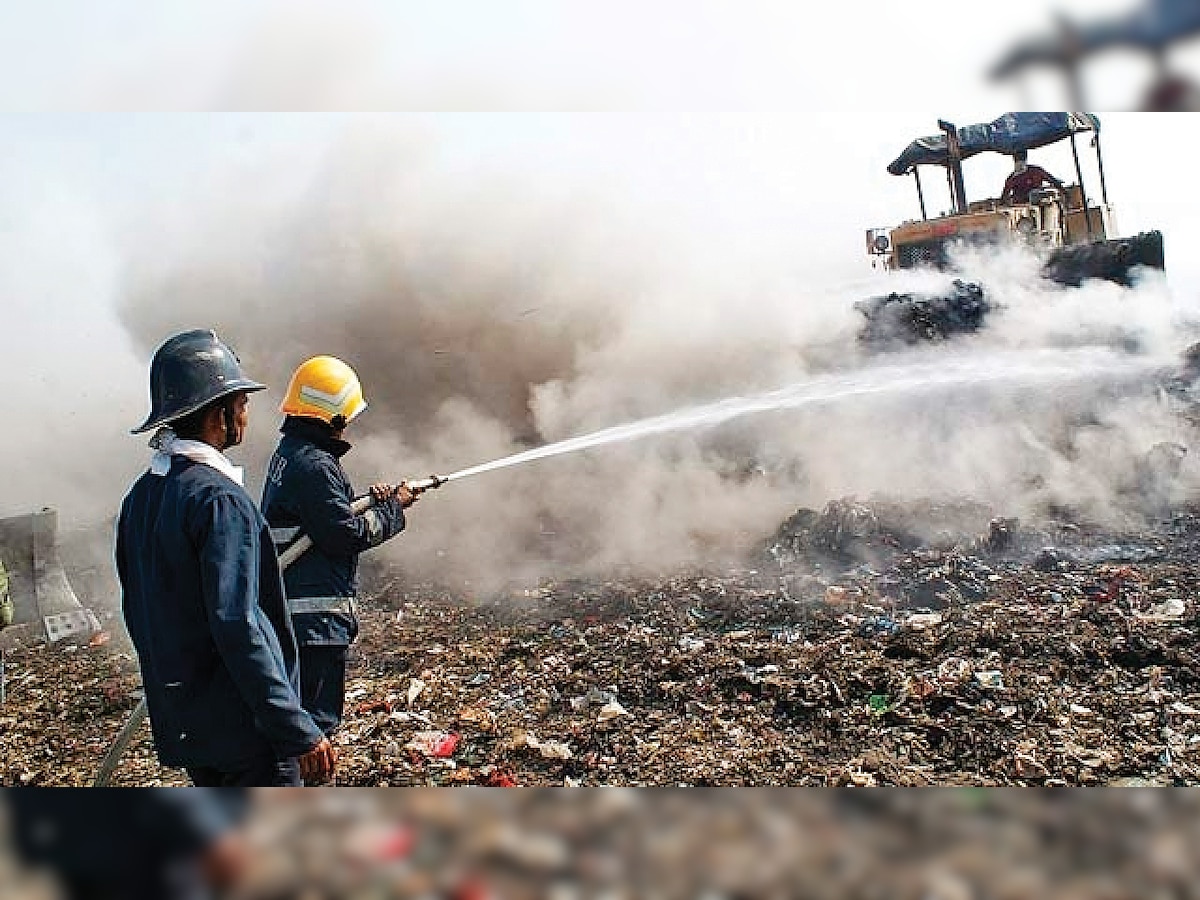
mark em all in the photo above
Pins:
pixel 693 228
pixel 536 55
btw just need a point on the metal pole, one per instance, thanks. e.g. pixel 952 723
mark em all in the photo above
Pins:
pixel 954 160
pixel 920 193
pixel 1100 165
pixel 1087 216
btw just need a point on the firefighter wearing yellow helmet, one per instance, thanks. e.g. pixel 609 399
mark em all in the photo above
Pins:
pixel 307 492
pixel 327 389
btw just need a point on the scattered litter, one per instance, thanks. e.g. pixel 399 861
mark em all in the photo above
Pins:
pixel 438 744
pixel 415 687
pixel 1173 608
pixel 990 680
pixel 373 706
pixel 923 620
pixel 548 749
pixel 612 710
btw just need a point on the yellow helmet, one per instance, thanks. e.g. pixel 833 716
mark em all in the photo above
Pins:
pixel 324 388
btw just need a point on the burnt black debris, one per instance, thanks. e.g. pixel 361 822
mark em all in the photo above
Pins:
pixel 899 319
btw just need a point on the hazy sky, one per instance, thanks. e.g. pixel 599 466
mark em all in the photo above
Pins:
pixel 534 54
pixel 779 193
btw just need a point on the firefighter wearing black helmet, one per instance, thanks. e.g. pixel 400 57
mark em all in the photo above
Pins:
pixel 202 593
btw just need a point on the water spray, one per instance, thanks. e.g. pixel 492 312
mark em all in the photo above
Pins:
pixel 1028 369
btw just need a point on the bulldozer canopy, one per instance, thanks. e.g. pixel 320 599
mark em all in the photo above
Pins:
pixel 1008 134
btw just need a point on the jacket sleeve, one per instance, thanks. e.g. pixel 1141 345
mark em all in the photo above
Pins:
pixel 229 580
pixel 326 517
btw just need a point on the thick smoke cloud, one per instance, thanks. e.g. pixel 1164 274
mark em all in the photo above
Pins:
pixel 490 312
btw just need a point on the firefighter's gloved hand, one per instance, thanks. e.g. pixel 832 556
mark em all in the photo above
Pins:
pixel 381 492
pixel 319 764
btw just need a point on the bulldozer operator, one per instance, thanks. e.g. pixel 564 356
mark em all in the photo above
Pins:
pixel 1024 180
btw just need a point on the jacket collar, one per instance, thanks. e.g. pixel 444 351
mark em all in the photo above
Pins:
pixel 315 432
pixel 196 451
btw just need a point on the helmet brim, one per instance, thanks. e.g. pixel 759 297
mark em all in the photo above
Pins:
pixel 234 387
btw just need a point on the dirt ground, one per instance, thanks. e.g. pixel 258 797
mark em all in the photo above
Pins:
pixel 850 651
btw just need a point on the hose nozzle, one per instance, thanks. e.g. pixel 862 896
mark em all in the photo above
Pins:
pixel 426 484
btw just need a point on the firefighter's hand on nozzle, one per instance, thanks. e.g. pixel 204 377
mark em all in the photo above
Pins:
pixel 319 764
pixel 382 492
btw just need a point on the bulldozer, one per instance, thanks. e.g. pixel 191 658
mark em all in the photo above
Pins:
pixel 1072 229
pixel 34 588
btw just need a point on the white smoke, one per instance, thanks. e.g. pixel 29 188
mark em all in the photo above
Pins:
pixel 499 309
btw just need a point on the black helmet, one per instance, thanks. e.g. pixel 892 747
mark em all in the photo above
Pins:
pixel 190 371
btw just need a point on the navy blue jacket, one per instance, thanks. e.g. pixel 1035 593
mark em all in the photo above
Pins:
pixel 307 488
pixel 203 601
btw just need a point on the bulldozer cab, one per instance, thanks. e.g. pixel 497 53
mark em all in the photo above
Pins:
pixel 1069 227
pixel 1050 220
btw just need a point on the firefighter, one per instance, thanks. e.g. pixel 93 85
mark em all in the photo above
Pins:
pixel 202 593
pixel 306 491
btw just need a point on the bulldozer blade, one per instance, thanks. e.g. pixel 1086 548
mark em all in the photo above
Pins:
pixel 38 585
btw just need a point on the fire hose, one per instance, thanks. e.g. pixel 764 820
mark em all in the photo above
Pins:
pixel 299 547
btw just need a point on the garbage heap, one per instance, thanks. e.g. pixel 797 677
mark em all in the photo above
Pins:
pixel 867 643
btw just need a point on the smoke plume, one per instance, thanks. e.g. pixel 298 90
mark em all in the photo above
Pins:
pixel 487 312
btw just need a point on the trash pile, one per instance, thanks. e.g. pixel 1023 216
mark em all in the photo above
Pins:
pixel 908 318
pixel 869 643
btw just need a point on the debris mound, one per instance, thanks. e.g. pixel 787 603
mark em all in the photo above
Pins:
pixel 1116 260
pixel 877 642
pixel 909 318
